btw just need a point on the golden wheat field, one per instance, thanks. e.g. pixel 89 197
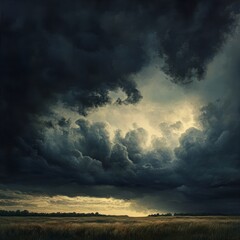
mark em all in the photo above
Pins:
pixel 120 228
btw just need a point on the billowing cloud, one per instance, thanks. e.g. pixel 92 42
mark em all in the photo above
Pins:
pixel 204 166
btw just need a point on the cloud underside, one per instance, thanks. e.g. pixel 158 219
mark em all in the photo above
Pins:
pixel 75 54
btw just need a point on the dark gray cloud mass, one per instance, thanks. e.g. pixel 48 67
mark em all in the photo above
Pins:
pixel 75 53
pixel 204 168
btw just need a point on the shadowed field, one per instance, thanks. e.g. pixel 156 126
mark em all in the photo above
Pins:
pixel 120 228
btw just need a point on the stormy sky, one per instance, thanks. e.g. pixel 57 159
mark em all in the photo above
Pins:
pixel 120 107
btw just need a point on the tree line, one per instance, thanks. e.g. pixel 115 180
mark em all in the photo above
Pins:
pixel 192 214
pixel 53 214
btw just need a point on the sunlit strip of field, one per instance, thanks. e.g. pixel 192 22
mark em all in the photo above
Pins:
pixel 120 228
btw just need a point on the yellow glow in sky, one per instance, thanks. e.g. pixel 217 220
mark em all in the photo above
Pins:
pixel 59 203
pixel 163 103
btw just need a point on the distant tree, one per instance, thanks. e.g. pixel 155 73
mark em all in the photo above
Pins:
pixel 25 212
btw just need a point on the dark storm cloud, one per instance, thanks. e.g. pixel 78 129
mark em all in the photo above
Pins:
pixel 85 155
pixel 208 166
pixel 210 158
pixel 205 167
pixel 75 53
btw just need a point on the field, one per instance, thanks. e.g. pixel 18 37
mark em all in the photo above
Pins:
pixel 120 228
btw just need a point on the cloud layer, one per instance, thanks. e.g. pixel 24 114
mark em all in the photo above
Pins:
pixel 205 165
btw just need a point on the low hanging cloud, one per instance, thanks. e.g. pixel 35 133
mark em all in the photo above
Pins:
pixel 204 166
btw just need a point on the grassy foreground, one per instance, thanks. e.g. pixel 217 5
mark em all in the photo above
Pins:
pixel 120 228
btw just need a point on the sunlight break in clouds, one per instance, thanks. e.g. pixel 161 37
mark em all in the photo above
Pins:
pixel 164 104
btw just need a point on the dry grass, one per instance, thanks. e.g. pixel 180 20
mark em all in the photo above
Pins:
pixel 120 228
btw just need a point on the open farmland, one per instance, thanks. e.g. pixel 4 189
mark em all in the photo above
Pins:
pixel 119 228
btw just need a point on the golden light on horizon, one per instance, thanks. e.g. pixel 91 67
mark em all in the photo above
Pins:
pixel 78 204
